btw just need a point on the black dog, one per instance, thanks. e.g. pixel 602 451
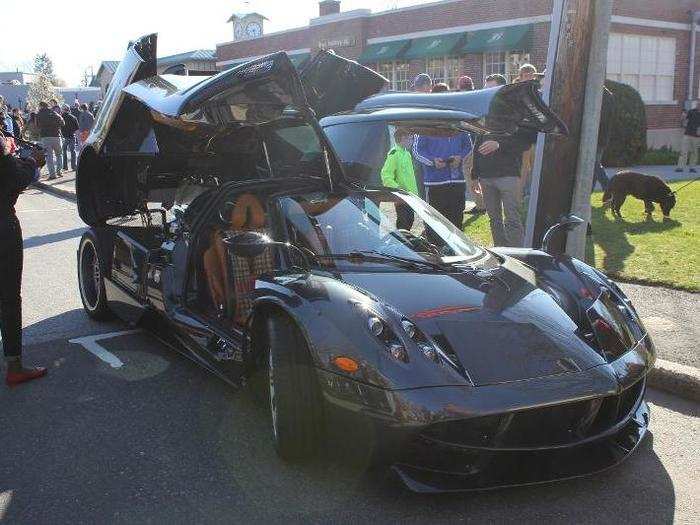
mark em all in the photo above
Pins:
pixel 648 188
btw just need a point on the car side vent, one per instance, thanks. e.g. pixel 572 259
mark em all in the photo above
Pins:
pixel 446 347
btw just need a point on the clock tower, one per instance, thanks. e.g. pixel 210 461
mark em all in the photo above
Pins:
pixel 247 25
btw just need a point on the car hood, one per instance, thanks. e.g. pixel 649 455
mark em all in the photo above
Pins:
pixel 502 328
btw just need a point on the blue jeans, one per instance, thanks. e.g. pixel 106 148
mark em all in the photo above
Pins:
pixel 69 145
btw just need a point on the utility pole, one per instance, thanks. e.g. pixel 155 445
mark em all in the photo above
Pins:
pixel 694 21
pixel 588 149
pixel 557 159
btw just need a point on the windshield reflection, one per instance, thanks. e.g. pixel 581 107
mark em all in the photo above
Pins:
pixel 343 228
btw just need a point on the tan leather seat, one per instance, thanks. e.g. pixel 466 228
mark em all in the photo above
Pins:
pixel 247 214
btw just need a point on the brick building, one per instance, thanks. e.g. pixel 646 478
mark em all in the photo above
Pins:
pixel 649 45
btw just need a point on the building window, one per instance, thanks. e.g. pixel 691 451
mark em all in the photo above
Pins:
pixel 444 69
pixel 495 63
pixel 647 63
pixel 506 63
pixel 397 73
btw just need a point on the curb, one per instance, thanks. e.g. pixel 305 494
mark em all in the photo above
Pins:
pixel 677 379
pixel 59 192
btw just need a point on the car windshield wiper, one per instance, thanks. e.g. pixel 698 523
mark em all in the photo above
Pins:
pixel 375 256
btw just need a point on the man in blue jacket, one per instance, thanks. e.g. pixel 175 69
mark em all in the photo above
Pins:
pixel 443 178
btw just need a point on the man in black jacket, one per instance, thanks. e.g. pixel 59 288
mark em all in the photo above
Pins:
pixel 50 123
pixel 68 130
pixel 496 175
pixel 15 176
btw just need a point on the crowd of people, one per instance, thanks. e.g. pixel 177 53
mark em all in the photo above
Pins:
pixel 60 129
pixel 494 171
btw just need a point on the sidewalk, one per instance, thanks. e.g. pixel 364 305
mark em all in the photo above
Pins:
pixel 671 318
pixel 665 173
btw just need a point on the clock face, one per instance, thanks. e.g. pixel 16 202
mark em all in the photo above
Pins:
pixel 253 29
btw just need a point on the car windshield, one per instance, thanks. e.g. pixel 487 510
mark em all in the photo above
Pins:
pixel 359 230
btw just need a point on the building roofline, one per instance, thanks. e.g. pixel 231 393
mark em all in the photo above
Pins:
pixel 291 52
pixel 357 13
pixel 360 13
pixel 338 17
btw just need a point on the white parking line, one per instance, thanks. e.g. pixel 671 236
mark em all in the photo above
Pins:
pixel 90 344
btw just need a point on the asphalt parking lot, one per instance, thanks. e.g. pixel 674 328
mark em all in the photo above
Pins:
pixel 152 438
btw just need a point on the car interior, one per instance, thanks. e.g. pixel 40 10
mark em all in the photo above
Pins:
pixel 224 281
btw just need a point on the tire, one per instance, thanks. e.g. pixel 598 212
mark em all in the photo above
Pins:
pixel 91 272
pixel 295 396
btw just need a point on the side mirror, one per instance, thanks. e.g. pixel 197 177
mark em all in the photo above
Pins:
pixel 248 244
pixel 566 223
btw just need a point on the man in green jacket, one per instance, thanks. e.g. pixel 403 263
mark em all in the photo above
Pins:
pixel 398 173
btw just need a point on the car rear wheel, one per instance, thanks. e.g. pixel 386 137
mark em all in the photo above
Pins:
pixel 295 397
pixel 91 278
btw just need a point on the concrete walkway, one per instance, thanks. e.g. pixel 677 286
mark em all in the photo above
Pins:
pixel 671 316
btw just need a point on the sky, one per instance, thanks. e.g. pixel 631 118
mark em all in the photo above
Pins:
pixel 78 34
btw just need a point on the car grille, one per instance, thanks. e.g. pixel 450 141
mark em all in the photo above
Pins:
pixel 558 425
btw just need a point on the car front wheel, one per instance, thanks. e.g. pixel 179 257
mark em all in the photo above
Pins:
pixel 91 278
pixel 295 398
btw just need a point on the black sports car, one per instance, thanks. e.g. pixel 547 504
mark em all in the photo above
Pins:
pixel 220 212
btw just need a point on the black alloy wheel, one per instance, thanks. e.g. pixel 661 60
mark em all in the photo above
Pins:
pixel 295 398
pixel 91 278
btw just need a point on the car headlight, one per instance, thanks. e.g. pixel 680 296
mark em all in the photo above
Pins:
pixel 427 347
pixel 381 330
pixel 396 346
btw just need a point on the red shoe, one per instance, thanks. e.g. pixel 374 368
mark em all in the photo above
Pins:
pixel 27 374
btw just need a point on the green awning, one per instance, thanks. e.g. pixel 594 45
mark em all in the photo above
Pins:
pixel 433 46
pixel 383 52
pixel 300 59
pixel 513 38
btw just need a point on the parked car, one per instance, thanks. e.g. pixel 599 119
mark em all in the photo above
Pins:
pixel 221 214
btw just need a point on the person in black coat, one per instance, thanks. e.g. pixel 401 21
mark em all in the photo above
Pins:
pixel 15 175
pixel 68 130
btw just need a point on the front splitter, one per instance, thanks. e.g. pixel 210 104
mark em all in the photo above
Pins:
pixel 491 470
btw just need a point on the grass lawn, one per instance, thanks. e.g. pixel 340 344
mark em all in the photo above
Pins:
pixel 633 249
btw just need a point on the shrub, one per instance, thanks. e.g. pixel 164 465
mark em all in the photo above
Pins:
pixel 663 156
pixel 628 127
